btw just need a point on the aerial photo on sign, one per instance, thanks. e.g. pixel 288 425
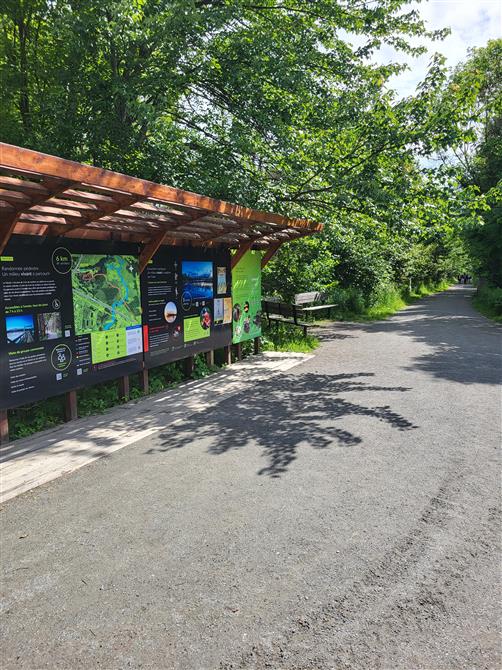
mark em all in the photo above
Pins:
pixel 106 292
pixel 107 304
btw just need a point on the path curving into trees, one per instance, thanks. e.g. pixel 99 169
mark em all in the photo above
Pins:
pixel 345 514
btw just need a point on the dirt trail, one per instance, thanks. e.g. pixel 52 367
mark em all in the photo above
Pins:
pixel 345 514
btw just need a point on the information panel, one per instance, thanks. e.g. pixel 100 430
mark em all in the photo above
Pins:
pixel 77 312
pixel 246 294
pixel 68 316
pixel 187 303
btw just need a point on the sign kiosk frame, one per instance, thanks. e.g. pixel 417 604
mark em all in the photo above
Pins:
pixel 103 275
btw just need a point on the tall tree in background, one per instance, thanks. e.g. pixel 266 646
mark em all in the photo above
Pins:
pixel 480 79
pixel 266 103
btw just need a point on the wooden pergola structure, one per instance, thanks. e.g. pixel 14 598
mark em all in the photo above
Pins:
pixel 50 196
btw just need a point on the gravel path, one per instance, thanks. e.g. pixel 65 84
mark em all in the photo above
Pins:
pixel 343 515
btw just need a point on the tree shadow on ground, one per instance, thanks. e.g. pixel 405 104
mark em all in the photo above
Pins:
pixel 465 347
pixel 283 415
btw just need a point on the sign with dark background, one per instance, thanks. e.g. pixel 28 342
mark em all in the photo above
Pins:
pixel 70 315
pixel 77 312
pixel 187 303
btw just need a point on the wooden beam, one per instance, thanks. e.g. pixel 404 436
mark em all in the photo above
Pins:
pixel 34 161
pixel 6 230
pixel 50 187
pixel 271 251
pixel 70 406
pixel 124 387
pixel 240 253
pixel 227 355
pixel 150 249
pixel 189 366
pixel 106 208
pixel 144 380
pixel 4 426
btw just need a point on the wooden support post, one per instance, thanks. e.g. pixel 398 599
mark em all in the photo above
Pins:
pixel 256 345
pixel 6 230
pixel 271 251
pixel 238 351
pixel 144 382
pixel 209 358
pixel 227 355
pixel 70 406
pixel 150 249
pixel 4 426
pixel 124 387
pixel 240 253
pixel 189 365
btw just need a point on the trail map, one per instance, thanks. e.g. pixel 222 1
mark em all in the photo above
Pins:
pixel 106 293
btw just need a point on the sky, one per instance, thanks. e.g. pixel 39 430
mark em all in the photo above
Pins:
pixel 472 24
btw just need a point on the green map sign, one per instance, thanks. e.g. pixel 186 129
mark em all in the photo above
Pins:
pixel 246 296
pixel 107 304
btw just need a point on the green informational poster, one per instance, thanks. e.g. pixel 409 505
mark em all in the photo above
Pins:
pixel 107 304
pixel 246 296
pixel 195 329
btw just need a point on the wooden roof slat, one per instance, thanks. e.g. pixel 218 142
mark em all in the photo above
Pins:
pixel 23 185
pixel 68 198
pixel 72 204
pixel 28 217
pixel 16 198
pixel 11 156
pixel 92 198
pixel 48 208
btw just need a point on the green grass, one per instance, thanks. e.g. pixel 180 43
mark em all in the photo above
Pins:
pixel 389 301
pixel 287 338
pixel 488 301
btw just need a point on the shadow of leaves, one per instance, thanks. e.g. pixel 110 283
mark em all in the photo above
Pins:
pixel 281 416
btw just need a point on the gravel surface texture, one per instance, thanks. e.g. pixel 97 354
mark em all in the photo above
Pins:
pixel 345 514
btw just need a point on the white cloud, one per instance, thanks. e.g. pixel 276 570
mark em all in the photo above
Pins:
pixel 472 24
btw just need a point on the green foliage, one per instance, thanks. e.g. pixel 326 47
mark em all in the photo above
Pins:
pixel 270 104
pixel 24 421
pixel 480 81
pixel 285 338
pixel 488 300
pixel 201 368
pixel 353 305
pixel 267 104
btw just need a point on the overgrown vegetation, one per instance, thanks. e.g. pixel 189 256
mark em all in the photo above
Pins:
pixel 488 300
pixel 287 338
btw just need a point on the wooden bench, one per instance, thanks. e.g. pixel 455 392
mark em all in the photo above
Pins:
pixel 310 298
pixel 281 312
